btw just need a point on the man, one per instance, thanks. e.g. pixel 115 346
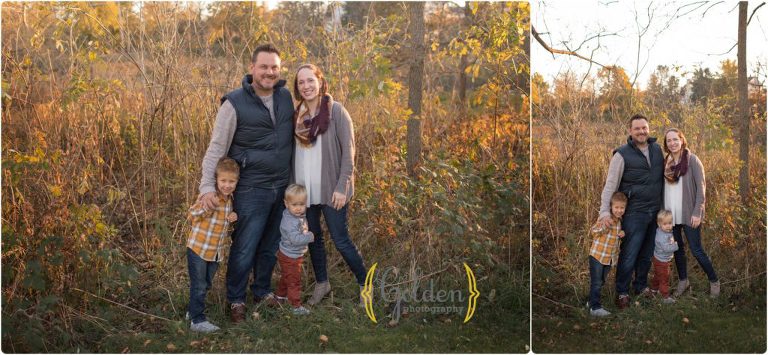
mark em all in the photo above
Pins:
pixel 254 126
pixel 637 170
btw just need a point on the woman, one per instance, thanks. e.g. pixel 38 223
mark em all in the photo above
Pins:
pixel 324 164
pixel 684 192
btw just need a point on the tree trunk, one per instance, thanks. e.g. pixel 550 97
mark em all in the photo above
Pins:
pixel 415 81
pixel 743 110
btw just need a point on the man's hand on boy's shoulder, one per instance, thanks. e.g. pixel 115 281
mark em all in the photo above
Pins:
pixel 209 201
pixel 605 221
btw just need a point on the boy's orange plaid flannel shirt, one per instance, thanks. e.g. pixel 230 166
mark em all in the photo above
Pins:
pixel 605 246
pixel 209 229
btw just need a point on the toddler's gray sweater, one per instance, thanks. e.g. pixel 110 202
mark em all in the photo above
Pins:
pixel 293 240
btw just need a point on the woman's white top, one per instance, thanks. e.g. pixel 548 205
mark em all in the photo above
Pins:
pixel 308 162
pixel 673 200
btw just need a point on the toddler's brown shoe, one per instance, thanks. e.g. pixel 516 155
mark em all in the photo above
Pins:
pixel 237 312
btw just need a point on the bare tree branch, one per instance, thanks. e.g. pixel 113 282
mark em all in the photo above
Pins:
pixel 560 51
pixel 700 3
pixel 641 32
pixel 735 44
pixel 711 6
pixel 753 12
pixel 726 52
pixel 597 36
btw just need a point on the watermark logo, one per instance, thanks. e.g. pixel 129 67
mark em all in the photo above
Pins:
pixel 473 293
pixel 393 293
pixel 367 293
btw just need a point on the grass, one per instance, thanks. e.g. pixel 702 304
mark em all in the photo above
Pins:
pixel 733 323
pixel 500 324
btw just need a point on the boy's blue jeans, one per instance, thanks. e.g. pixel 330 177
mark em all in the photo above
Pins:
pixel 694 242
pixel 597 275
pixel 636 251
pixel 201 275
pixel 254 241
pixel 336 221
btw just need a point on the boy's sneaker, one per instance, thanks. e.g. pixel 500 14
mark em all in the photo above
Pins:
pixel 600 312
pixel 281 299
pixel 203 327
pixel 668 300
pixel 300 311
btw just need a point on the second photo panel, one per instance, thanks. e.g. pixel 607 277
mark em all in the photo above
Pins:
pixel 648 177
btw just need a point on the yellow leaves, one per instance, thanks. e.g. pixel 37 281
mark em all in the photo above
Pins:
pixel 101 228
pixel 115 195
pixel 36 41
pixel 474 69
pixel 303 52
pixel 36 157
pixel 55 190
pixel 389 86
pixel 84 186
pixel 95 18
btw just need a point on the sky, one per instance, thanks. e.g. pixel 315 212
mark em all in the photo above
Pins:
pixel 688 34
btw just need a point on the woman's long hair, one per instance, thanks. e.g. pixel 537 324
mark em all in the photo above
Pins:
pixel 320 78
pixel 683 141
pixel 673 172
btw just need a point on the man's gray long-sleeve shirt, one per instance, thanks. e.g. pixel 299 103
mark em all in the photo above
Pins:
pixel 615 171
pixel 221 139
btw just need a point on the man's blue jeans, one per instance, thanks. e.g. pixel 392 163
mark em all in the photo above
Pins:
pixel 597 275
pixel 694 242
pixel 254 241
pixel 336 221
pixel 201 275
pixel 636 251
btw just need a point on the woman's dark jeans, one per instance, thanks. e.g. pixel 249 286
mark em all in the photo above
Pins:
pixel 694 242
pixel 336 221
